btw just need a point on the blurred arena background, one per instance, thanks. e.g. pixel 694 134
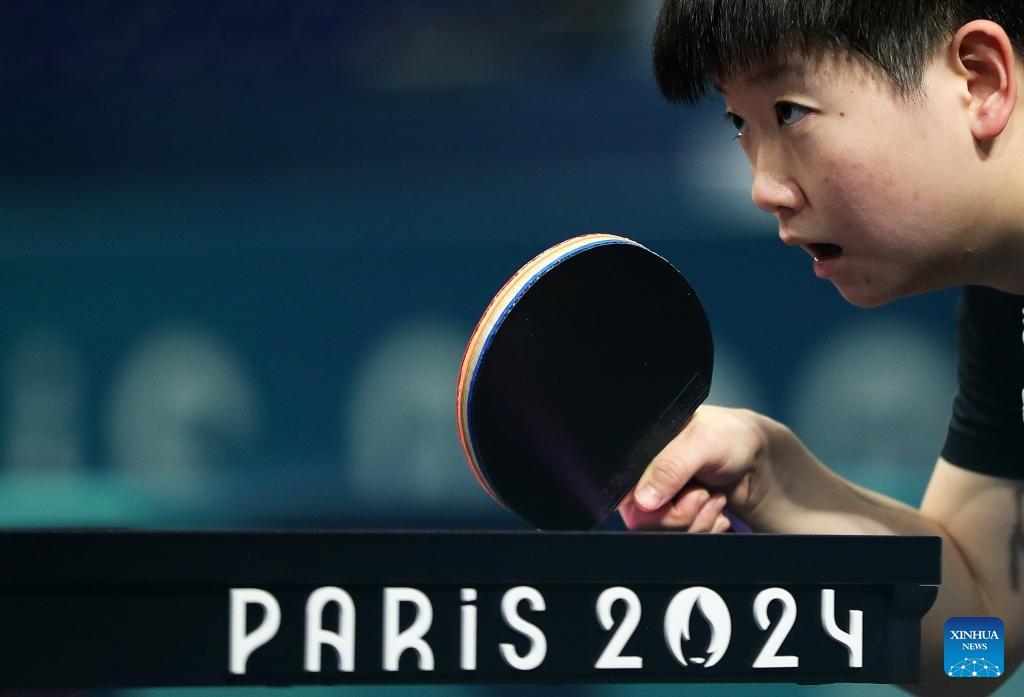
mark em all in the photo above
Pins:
pixel 243 244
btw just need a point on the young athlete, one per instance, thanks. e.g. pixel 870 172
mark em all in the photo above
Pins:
pixel 887 138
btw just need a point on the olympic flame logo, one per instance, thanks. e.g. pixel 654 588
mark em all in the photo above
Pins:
pixel 715 612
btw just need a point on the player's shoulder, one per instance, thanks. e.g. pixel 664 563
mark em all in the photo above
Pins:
pixel 992 311
pixel 989 299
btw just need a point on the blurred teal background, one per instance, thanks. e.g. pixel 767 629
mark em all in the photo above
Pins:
pixel 243 244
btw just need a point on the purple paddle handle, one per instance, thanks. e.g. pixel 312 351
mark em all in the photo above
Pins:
pixel 737 524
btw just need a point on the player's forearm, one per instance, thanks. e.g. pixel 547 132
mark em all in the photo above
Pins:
pixel 795 493
pixel 799 495
pixel 961 594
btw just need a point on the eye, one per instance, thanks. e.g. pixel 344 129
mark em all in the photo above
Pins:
pixel 738 123
pixel 789 114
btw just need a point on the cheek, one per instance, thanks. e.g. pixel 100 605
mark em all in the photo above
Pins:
pixel 873 195
pixel 855 188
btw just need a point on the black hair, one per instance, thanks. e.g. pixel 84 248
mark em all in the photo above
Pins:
pixel 700 42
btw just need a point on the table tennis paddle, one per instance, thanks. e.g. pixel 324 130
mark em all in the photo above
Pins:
pixel 587 362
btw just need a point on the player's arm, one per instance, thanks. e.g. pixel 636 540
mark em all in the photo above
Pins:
pixel 766 475
pixel 982 567
pixel 775 484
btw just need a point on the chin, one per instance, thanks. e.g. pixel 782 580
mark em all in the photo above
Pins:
pixel 871 285
pixel 868 295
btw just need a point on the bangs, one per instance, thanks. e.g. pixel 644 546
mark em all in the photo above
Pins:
pixel 698 43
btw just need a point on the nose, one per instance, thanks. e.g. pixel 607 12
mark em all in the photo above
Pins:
pixel 773 191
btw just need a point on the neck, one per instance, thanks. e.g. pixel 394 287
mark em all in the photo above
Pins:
pixel 1002 264
pixel 997 260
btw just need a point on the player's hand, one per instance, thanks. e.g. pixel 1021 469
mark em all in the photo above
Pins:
pixel 721 458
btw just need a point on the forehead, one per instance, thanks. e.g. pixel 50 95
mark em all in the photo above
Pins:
pixel 825 67
pixel 784 70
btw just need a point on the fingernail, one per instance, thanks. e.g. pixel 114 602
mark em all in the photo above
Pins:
pixel 719 501
pixel 648 497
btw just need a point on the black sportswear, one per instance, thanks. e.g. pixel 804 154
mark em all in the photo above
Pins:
pixel 986 431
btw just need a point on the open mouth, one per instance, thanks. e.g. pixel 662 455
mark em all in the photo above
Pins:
pixel 824 251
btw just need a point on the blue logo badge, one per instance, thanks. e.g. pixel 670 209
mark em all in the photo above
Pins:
pixel 974 647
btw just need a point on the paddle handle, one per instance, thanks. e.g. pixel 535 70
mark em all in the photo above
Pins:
pixel 737 524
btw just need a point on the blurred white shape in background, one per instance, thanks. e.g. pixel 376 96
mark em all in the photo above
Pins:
pixel 710 166
pixel 182 406
pixel 44 389
pixel 873 401
pixel 399 435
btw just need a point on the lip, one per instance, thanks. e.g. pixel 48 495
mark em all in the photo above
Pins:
pixel 827 257
pixel 827 268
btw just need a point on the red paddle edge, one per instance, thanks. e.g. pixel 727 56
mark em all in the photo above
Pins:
pixel 491 320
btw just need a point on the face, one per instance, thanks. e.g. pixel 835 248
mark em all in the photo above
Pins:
pixel 875 187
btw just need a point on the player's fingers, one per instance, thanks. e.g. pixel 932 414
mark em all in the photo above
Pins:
pixel 629 512
pixel 674 466
pixel 708 514
pixel 685 507
pixel 637 518
pixel 678 514
pixel 722 524
pixel 667 474
pixel 719 446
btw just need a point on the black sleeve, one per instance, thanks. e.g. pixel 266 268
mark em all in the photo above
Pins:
pixel 986 431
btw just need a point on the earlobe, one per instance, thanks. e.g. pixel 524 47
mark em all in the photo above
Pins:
pixel 985 57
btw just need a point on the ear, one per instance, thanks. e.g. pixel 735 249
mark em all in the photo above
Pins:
pixel 984 57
